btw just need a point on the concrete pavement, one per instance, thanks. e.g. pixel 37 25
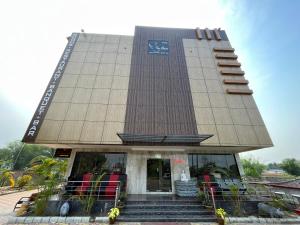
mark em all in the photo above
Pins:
pixel 7 203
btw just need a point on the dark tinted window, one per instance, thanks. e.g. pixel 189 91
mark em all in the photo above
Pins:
pixel 201 164
pixel 97 163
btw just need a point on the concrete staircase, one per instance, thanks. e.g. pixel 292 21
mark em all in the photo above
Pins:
pixel 166 211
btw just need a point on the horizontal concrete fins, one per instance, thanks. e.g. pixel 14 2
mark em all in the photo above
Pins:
pixel 198 33
pixel 226 56
pixel 224 49
pixel 227 81
pixel 229 64
pixel 232 72
pixel 239 92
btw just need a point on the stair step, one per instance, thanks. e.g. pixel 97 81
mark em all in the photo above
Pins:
pixel 165 209
pixel 170 207
pixel 168 202
pixel 164 218
pixel 166 212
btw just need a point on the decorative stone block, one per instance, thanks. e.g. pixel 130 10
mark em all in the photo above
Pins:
pixel 186 188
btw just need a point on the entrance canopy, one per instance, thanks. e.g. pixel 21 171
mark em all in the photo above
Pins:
pixel 128 138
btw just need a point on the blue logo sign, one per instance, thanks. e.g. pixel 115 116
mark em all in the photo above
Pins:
pixel 158 47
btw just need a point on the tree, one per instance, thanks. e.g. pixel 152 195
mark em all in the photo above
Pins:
pixel 6 159
pixel 291 166
pixel 6 178
pixel 17 155
pixel 252 167
pixel 273 166
pixel 50 172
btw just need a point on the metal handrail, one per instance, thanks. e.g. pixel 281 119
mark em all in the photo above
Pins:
pixel 91 188
pixel 246 192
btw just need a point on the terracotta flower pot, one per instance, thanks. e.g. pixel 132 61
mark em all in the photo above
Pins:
pixel 221 221
pixel 111 221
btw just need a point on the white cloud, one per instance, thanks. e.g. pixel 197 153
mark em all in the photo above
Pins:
pixel 34 34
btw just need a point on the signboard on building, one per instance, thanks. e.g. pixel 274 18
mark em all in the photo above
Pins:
pixel 44 104
pixel 158 47
pixel 63 152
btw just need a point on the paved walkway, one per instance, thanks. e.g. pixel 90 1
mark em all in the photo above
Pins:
pixel 150 223
pixel 7 203
pixel 135 223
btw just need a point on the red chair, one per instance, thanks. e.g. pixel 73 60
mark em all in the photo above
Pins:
pixel 86 183
pixel 112 185
pixel 209 184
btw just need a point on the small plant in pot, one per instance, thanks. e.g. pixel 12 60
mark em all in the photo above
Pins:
pixel 122 200
pixel 113 214
pixel 221 214
pixel 201 196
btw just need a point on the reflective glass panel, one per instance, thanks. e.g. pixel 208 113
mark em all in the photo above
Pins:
pixel 98 163
pixel 223 165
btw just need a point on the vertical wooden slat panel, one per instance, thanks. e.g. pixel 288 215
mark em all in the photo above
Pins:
pixel 162 99
pixel 159 99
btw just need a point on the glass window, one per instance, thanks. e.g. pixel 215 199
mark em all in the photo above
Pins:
pixel 224 165
pixel 232 165
pixel 98 163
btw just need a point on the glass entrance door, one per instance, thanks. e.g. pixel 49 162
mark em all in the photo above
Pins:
pixel 159 175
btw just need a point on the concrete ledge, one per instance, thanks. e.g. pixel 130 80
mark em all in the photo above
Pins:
pixel 85 219
pixel 224 49
pixel 53 219
pixel 229 64
pixel 260 220
pixel 239 91
pixel 232 72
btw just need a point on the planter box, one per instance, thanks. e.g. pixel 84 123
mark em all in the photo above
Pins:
pixel 76 208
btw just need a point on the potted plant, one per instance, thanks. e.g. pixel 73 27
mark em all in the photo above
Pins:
pixel 221 214
pixel 122 200
pixel 113 214
pixel 201 196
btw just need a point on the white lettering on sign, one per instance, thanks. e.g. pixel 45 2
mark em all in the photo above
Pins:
pixel 48 95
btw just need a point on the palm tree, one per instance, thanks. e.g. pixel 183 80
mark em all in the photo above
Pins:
pixel 6 177
pixel 49 172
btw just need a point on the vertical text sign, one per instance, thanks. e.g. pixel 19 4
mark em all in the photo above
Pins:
pixel 43 106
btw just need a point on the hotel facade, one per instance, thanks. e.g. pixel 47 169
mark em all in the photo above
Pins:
pixel 151 106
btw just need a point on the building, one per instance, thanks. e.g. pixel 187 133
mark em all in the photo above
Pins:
pixel 151 105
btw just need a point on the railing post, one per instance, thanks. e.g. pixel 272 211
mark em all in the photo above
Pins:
pixel 213 199
pixel 117 197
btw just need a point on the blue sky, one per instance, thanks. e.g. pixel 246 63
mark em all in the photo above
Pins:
pixel 265 34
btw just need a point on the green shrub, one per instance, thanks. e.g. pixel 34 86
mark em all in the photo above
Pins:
pixel 201 196
pixel 252 167
pixel 40 206
pixel 236 200
pixel 23 180
pixel 7 178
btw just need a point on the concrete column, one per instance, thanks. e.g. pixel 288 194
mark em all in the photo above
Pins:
pixel 70 163
pixel 136 170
